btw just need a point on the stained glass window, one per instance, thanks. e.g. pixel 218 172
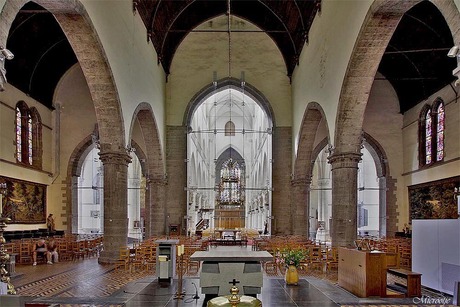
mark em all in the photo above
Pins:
pixel 231 186
pixel 428 137
pixel 29 137
pixel 440 133
pixel 18 134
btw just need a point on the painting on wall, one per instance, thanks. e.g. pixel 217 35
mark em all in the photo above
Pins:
pixel 24 202
pixel 434 200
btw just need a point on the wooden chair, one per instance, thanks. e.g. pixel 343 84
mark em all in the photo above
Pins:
pixel 150 258
pixel 271 267
pixel 78 250
pixel 25 253
pixel 315 258
pixel 123 259
pixel 332 259
pixel 192 266
pixel 138 260
pixel 63 250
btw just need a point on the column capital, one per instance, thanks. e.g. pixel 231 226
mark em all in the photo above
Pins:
pixel 157 181
pixel 302 181
pixel 344 160
pixel 115 157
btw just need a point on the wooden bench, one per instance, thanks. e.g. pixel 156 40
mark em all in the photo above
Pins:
pixel 414 281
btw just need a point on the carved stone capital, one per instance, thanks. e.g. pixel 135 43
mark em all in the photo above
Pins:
pixel 112 157
pixel 344 160
pixel 301 181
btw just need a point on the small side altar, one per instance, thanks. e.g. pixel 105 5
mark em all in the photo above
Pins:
pixel 221 266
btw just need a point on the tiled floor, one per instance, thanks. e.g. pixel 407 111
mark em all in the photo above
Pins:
pixel 85 283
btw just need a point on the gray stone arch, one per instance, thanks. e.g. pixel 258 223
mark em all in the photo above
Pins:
pixel 154 170
pixel 305 158
pixel 387 187
pixel 377 29
pixel 365 59
pixel 77 26
pixel 303 167
pixel 73 172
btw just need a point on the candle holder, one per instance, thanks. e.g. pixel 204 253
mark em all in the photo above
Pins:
pixel 4 257
pixel 180 293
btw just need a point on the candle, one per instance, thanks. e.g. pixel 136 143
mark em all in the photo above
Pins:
pixel 178 250
pixel 182 249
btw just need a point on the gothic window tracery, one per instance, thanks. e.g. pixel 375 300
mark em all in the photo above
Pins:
pixel 432 134
pixel 28 135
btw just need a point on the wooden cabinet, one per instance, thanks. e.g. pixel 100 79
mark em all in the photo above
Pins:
pixel 363 273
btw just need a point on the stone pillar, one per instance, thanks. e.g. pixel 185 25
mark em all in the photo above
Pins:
pixel 155 209
pixel 344 198
pixel 282 166
pixel 300 206
pixel 115 203
pixel 176 153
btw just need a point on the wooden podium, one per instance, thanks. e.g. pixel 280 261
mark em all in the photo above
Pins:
pixel 363 273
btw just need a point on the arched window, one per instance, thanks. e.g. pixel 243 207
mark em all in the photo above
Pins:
pixel 432 124
pixel 428 137
pixel 28 135
pixel 440 132
pixel 229 128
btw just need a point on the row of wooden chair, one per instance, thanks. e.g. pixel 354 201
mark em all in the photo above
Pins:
pixel 67 248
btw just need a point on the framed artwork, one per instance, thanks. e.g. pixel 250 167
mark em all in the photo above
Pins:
pixel 434 200
pixel 24 202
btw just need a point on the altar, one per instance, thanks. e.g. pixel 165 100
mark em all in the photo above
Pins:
pixel 223 265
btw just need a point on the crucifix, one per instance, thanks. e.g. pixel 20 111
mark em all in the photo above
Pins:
pixel 234 282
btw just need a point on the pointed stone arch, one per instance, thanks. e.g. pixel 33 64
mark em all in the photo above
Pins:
pixel 73 172
pixel 155 170
pixel 226 83
pixel 377 29
pixel 76 24
pixel 303 167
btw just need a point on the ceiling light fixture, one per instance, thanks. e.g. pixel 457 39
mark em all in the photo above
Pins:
pixel 454 52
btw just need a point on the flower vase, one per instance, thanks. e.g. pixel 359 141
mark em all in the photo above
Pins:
pixel 291 277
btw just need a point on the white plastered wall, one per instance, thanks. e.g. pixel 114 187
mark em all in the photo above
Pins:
pixel 8 100
pixel 324 60
pixel 132 59
pixel 412 173
pixel 201 54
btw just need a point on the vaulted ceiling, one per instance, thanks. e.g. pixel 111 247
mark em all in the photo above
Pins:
pixel 286 22
pixel 415 61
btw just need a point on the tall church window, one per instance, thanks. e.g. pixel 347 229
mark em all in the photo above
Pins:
pixel 28 135
pixel 440 132
pixel 229 128
pixel 428 137
pixel 432 133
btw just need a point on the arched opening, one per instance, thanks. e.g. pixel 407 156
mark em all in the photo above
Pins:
pixel 371 204
pixel 90 191
pixel 229 146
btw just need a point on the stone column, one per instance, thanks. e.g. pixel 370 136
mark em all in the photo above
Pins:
pixel 176 194
pixel 155 209
pixel 300 205
pixel 344 198
pixel 282 165
pixel 115 203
